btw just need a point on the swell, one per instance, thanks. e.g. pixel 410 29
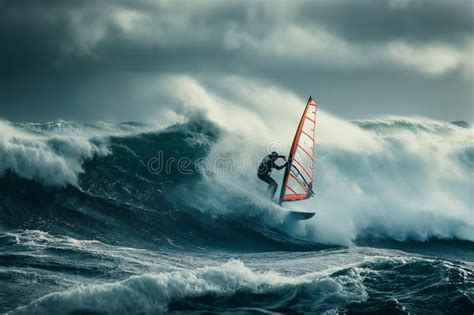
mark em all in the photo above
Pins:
pixel 94 181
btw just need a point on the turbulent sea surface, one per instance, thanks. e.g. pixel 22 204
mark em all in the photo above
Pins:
pixel 89 225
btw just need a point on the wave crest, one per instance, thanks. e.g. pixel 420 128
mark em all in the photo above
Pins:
pixel 228 284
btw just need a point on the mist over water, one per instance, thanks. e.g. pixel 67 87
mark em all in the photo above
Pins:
pixel 398 178
pixel 415 184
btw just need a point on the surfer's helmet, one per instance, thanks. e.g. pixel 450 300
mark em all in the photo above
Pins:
pixel 274 154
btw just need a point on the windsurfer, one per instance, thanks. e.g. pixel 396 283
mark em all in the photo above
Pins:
pixel 265 169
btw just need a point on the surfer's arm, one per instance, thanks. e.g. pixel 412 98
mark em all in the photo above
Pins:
pixel 279 167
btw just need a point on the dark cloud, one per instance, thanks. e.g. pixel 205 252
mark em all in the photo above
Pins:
pixel 92 60
pixel 378 21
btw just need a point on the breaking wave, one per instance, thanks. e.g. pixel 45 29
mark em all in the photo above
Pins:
pixel 396 178
pixel 226 285
pixel 234 287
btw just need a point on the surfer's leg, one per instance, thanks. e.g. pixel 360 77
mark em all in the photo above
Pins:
pixel 272 187
pixel 267 179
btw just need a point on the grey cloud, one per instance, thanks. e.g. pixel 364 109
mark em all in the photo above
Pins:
pixel 375 21
pixel 90 60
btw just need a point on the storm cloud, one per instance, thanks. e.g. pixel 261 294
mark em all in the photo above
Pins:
pixel 126 60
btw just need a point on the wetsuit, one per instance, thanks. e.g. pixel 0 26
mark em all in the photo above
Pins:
pixel 264 170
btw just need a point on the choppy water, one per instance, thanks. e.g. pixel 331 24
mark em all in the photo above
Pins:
pixel 87 227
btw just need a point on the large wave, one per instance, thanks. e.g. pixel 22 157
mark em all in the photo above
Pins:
pixel 114 187
pixel 235 287
pixel 397 178
pixel 229 284
pixel 53 153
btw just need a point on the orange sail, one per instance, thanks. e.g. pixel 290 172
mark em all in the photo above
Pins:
pixel 298 179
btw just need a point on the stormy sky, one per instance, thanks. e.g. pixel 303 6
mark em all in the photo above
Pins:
pixel 132 60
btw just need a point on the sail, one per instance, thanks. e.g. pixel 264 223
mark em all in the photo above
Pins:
pixel 298 179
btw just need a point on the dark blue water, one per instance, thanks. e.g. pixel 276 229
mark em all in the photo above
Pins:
pixel 87 227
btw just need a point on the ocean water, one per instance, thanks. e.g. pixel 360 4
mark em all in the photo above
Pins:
pixel 103 219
